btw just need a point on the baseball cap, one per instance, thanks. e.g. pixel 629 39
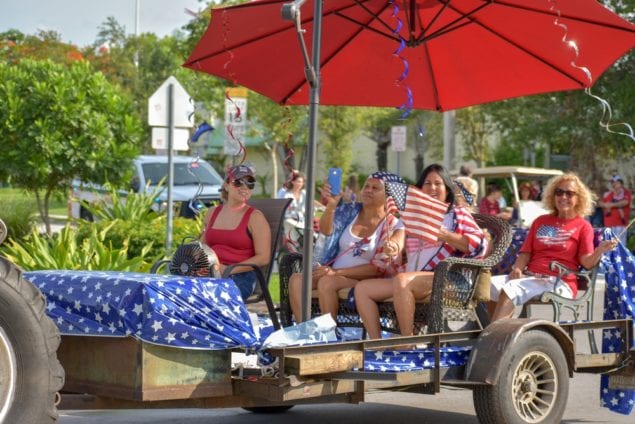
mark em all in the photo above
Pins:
pixel 237 172
pixel 617 178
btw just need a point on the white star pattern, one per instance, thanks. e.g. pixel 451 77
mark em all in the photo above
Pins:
pixel 147 307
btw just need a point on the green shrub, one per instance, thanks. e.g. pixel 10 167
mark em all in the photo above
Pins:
pixel 67 251
pixel 135 207
pixel 143 235
pixel 20 216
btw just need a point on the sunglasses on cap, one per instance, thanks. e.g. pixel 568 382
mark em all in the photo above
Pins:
pixel 560 192
pixel 249 183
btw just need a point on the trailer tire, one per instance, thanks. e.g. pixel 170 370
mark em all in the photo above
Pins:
pixel 30 374
pixel 532 387
pixel 268 409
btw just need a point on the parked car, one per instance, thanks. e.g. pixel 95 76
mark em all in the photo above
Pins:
pixel 528 210
pixel 196 183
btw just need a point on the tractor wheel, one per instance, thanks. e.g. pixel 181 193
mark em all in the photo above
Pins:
pixel 30 374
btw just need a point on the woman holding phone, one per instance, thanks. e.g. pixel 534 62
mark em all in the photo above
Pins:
pixel 355 236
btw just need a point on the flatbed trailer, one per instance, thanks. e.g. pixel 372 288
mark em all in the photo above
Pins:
pixel 518 370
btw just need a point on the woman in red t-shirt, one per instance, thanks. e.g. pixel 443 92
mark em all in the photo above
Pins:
pixel 237 232
pixel 562 235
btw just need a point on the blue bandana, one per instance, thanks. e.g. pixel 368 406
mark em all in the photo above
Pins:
pixel 466 194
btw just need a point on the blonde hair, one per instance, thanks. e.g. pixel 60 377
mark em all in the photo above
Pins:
pixel 586 198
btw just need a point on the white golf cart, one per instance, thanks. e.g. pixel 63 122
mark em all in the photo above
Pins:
pixel 528 210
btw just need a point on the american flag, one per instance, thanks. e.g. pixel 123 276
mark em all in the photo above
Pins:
pixel 551 235
pixel 421 214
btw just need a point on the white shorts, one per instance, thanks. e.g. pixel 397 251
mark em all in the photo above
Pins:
pixel 526 288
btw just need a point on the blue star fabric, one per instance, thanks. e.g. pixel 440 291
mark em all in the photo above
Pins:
pixel 619 302
pixel 169 310
pixel 414 360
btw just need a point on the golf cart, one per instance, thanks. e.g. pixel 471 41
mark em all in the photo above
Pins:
pixel 528 210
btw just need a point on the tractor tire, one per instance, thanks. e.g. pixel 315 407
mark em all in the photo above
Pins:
pixel 30 374
pixel 532 387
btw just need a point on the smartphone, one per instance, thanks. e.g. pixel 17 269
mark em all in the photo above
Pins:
pixel 335 180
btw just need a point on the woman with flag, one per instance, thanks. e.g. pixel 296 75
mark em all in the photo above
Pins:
pixel 436 227
pixel 354 238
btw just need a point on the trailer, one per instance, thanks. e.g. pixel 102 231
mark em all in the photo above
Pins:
pixel 518 369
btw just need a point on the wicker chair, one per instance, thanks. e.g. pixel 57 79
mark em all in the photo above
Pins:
pixel 458 285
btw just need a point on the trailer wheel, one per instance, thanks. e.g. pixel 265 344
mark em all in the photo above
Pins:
pixel 30 374
pixel 268 409
pixel 533 385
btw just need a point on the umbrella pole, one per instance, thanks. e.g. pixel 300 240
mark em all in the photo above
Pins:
pixel 307 250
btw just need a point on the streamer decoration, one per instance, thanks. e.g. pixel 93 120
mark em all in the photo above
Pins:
pixel 607 112
pixel 407 106
pixel 230 128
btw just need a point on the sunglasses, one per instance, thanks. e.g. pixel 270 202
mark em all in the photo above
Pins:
pixel 568 193
pixel 250 184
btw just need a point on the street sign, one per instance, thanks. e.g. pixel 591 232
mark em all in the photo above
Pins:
pixel 398 138
pixel 180 137
pixel 158 106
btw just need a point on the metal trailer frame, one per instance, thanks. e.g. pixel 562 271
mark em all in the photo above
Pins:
pixel 127 373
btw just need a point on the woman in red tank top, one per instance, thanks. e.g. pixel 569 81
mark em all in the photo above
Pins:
pixel 237 232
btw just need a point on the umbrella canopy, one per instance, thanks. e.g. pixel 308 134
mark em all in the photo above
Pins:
pixel 458 52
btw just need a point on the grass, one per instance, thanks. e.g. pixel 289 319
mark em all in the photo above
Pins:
pixel 57 206
pixel 274 287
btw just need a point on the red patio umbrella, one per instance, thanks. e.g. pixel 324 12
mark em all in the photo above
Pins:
pixel 459 52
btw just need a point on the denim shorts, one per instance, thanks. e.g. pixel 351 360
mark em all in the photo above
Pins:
pixel 523 289
pixel 246 282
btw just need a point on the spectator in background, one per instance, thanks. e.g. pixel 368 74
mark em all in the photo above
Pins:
pixel 524 193
pixel 351 192
pixel 616 204
pixel 489 205
pixel 536 190
pixel 470 184
pixel 294 216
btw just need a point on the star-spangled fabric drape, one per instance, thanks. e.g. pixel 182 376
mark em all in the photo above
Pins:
pixel 169 310
pixel 619 302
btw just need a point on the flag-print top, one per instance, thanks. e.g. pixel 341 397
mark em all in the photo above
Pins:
pixel 564 240
pixel 425 256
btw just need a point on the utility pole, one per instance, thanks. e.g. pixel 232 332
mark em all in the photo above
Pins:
pixel 449 142
pixel 136 32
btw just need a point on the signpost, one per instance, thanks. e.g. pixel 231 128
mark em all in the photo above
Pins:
pixel 235 100
pixel 170 112
pixel 398 142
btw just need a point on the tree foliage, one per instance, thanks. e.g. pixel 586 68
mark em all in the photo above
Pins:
pixel 59 122
pixel 339 126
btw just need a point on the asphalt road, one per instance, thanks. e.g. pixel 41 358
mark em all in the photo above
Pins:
pixel 451 405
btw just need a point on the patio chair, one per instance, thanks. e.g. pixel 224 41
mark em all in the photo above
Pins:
pixel 274 211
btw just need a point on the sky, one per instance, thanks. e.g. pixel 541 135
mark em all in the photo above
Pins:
pixel 77 20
